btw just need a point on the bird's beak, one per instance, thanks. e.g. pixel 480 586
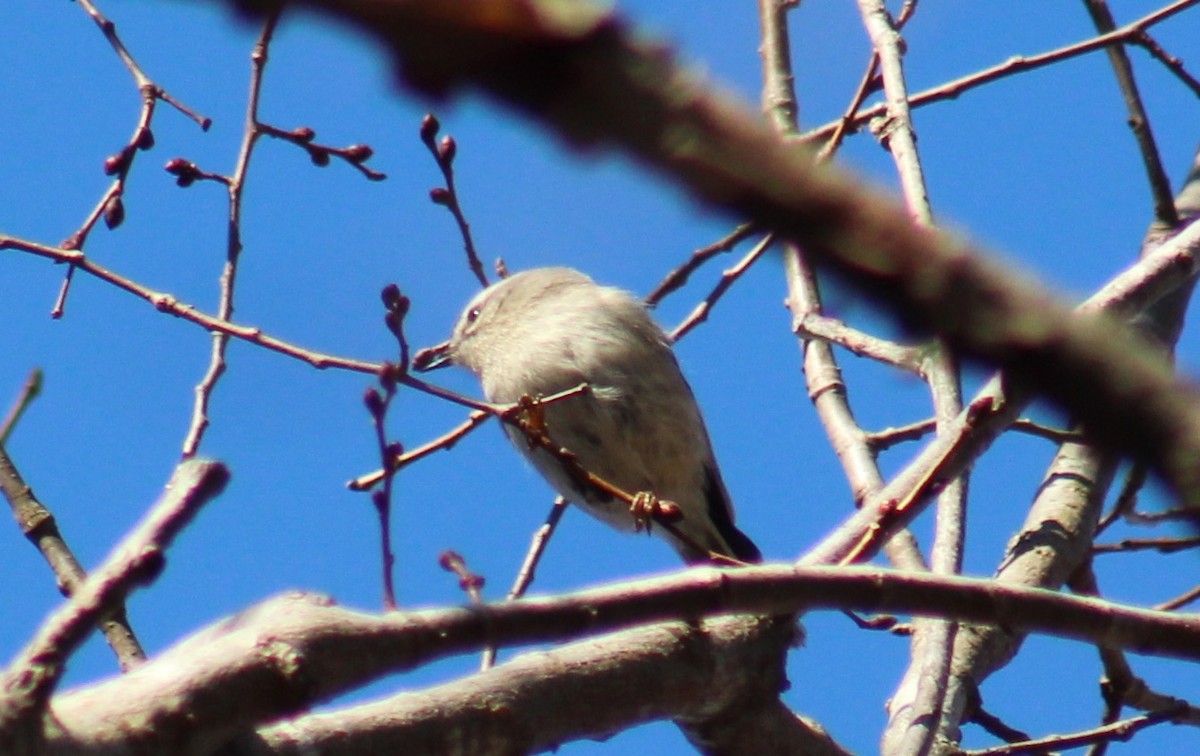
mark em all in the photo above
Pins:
pixel 432 358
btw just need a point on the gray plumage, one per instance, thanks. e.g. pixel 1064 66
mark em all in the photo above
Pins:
pixel 547 330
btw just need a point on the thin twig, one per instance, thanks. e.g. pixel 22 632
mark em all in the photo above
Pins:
pixel 1123 730
pixel 109 29
pixel 233 249
pixel 1179 601
pixel 537 547
pixel 1139 120
pixel 446 441
pixel 355 155
pixel 397 306
pixel 187 173
pixel 1014 65
pixel 533 557
pixel 377 405
pixel 444 152
pixel 814 325
pixel 678 277
pixel 111 206
pixel 728 276
pixel 888 437
pixel 868 84
pixel 29 392
pixel 1057 435
pixel 1172 63
pixel 167 303
pixel 1161 545
pixel 993 725
pixel 1179 514
pixel 1126 502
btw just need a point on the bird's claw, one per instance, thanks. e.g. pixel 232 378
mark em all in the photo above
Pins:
pixel 643 508
pixel 531 418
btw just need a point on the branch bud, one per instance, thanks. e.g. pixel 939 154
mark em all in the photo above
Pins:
pixel 447 149
pixel 429 129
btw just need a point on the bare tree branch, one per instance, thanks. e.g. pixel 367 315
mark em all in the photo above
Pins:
pixel 30 679
pixel 40 527
pixel 1129 33
pixel 294 651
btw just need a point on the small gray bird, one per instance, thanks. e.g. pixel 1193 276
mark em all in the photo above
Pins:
pixel 547 330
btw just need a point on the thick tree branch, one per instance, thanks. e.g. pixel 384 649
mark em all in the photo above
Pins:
pixel 706 676
pixel 294 651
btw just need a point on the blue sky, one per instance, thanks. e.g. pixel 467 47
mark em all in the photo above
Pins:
pixel 1039 167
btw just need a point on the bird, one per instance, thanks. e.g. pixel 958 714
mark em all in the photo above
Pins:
pixel 636 424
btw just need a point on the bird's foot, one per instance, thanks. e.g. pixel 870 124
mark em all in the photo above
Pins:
pixel 646 508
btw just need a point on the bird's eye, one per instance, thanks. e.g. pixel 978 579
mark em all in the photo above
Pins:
pixel 473 315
